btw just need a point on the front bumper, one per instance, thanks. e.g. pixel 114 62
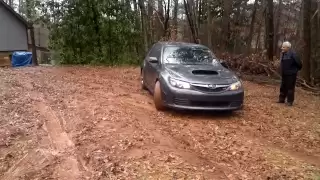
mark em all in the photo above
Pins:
pixel 197 100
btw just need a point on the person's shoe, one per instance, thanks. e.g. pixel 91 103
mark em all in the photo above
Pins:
pixel 280 102
pixel 289 104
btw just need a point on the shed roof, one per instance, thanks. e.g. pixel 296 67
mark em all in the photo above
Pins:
pixel 14 13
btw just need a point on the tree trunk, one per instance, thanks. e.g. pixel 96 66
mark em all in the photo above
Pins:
pixel 314 41
pixel 227 9
pixel 234 36
pixel 209 23
pixel 31 28
pixel 269 29
pixel 258 37
pixel 33 46
pixel 306 40
pixel 190 18
pixel 137 25
pixel 317 71
pixel 276 29
pixel 175 20
pixel 193 15
pixel 160 9
pixel 96 22
pixel 199 14
pixel 193 12
pixel 144 25
pixel 251 32
pixel 160 20
pixel 166 32
pixel 150 21
pixel 136 9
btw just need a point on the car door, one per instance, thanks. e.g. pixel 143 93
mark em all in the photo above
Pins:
pixel 147 68
pixel 152 64
pixel 155 65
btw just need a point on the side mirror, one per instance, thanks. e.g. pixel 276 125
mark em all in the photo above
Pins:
pixel 224 63
pixel 153 59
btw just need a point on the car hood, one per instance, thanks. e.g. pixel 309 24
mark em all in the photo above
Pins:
pixel 203 74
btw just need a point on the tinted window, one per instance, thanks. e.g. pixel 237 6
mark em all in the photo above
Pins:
pixel 188 55
pixel 156 51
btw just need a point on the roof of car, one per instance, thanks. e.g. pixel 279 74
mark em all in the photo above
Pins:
pixel 169 43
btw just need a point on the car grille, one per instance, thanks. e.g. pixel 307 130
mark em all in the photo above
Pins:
pixel 236 104
pixel 201 88
pixel 183 102
pixel 209 104
pixel 186 102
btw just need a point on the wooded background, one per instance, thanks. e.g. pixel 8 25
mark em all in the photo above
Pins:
pixel 247 33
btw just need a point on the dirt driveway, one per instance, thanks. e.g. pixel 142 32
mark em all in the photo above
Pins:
pixel 79 123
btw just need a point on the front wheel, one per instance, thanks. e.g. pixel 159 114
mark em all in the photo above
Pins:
pixel 143 86
pixel 157 97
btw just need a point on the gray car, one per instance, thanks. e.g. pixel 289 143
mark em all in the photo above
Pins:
pixel 189 76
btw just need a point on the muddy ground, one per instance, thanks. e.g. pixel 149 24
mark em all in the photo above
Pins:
pixel 79 123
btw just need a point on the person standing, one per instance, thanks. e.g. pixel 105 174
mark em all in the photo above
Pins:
pixel 290 66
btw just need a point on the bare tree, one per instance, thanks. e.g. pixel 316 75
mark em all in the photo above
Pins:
pixel 188 6
pixel 175 19
pixel 30 10
pixel 314 41
pixel 251 31
pixel 143 24
pixel 166 32
pixel 306 39
pixel 277 27
pixel 150 21
pixel 269 29
pixel 163 17
pixel 227 9
pixel 209 24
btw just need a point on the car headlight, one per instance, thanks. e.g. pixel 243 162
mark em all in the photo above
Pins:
pixel 179 84
pixel 235 86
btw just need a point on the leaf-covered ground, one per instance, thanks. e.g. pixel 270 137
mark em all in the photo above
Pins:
pixel 95 123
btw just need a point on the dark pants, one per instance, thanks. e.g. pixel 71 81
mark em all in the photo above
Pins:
pixel 287 88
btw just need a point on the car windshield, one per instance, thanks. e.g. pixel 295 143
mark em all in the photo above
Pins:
pixel 188 55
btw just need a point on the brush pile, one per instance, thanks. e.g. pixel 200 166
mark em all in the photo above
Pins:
pixel 258 65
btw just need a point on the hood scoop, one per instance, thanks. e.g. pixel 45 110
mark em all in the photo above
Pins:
pixel 204 72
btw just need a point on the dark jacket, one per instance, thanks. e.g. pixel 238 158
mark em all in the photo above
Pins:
pixel 290 63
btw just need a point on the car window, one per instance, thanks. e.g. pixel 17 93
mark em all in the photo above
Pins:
pixel 188 55
pixel 156 51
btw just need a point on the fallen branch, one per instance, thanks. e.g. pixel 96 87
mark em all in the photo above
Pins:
pixel 304 84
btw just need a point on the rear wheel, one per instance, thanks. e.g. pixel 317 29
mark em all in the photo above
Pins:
pixel 157 97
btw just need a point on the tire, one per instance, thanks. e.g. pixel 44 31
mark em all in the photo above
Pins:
pixel 157 97
pixel 143 86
